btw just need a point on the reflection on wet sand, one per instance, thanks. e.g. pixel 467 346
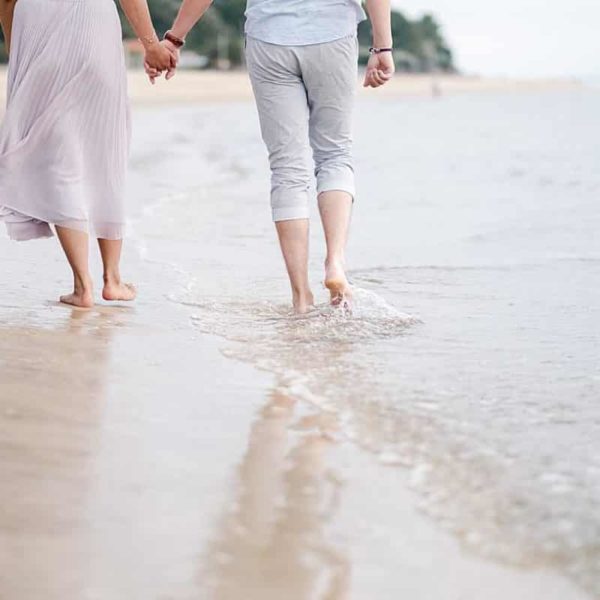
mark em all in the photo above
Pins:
pixel 51 393
pixel 273 543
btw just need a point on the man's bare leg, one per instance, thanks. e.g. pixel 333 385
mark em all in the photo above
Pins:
pixel 76 248
pixel 114 288
pixel 336 209
pixel 293 239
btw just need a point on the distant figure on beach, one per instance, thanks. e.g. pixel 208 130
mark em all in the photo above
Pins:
pixel 65 136
pixel 302 59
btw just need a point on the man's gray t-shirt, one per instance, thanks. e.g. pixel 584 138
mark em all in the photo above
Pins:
pixel 302 22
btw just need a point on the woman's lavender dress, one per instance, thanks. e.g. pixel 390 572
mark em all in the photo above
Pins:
pixel 65 136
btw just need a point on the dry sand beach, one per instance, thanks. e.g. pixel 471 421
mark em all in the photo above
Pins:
pixel 193 445
pixel 213 86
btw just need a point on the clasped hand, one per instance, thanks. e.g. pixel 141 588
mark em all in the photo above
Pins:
pixel 161 57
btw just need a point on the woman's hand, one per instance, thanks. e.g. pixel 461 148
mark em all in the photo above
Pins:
pixel 153 69
pixel 159 57
pixel 7 8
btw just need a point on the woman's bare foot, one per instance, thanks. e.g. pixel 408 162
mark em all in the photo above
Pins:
pixel 82 296
pixel 303 302
pixel 118 291
pixel 337 284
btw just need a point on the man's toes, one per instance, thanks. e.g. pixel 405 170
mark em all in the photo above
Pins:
pixel 131 291
pixel 80 301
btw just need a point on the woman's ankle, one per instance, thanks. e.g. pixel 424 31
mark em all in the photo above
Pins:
pixel 111 278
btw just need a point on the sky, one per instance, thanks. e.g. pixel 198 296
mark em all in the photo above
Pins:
pixel 520 38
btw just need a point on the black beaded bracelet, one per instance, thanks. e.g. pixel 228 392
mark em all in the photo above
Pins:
pixel 380 50
pixel 177 42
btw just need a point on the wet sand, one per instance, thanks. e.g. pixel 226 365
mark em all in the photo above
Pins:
pixel 139 462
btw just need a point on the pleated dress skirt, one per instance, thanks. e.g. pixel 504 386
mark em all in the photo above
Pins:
pixel 65 135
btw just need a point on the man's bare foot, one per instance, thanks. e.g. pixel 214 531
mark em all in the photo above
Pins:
pixel 303 303
pixel 82 296
pixel 118 291
pixel 337 284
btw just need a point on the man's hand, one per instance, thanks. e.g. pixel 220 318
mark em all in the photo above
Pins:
pixel 380 69
pixel 161 56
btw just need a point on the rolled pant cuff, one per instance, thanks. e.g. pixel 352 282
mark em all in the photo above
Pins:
pixel 343 182
pixel 290 213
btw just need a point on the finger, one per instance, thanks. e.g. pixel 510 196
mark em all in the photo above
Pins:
pixel 377 78
pixel 369 78
pixel 150 71
pixel 385 75
pixel 161 64
pixel 385 78
pixel 171 58
pixel 372 81
pixel 170 74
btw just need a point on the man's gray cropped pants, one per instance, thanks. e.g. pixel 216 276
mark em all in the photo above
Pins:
pixel 305 98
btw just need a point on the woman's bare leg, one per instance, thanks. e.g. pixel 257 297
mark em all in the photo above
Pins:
pixel 336 209
pixel 293 239
pixel 114 288
pixel 76 248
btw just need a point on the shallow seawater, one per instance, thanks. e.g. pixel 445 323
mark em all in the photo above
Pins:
pixel 472 354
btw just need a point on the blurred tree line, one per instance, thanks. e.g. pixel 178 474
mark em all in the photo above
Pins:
pixel 419 44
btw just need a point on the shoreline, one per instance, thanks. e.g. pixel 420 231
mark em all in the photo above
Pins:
pixel 189 87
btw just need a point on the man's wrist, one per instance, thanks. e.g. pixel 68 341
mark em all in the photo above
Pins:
pixel 177 41
pixel 178 31
pixel 375 50
pixel 382 42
